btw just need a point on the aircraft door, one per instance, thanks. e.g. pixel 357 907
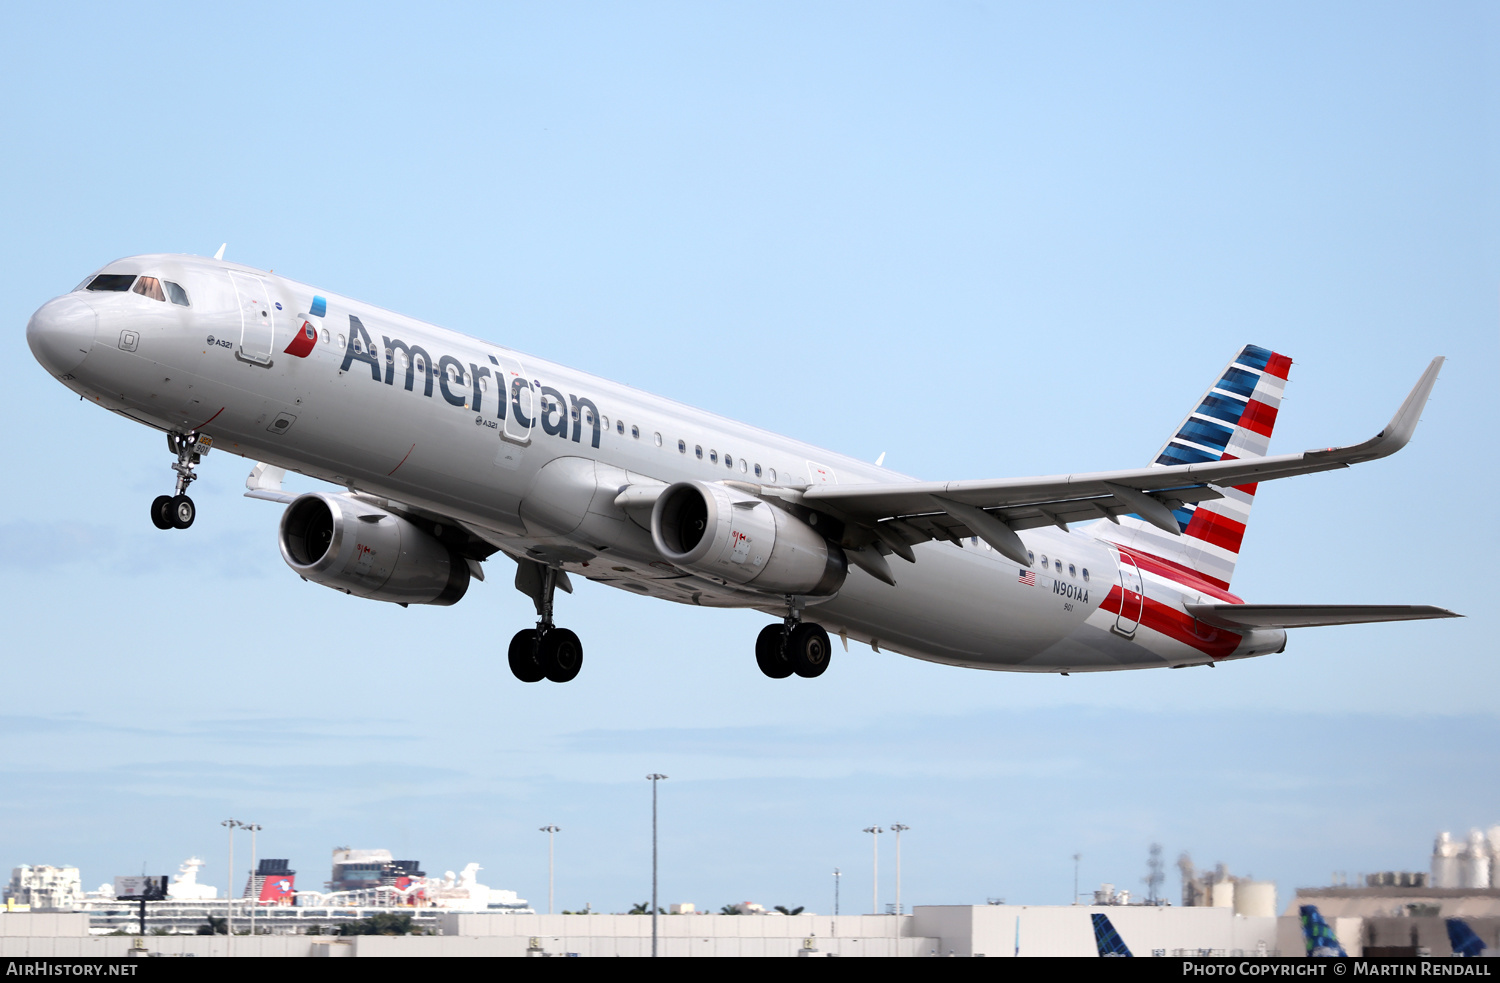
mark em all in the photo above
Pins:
pixel 521 402
pixel 257 319
pixel 1133 597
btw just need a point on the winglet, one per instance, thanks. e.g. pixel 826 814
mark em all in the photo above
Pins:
pixel 220 254
pixel 1398 432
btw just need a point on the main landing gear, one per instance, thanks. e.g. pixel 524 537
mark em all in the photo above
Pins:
pixel 795 646
pixel 546 651
pixel 178 511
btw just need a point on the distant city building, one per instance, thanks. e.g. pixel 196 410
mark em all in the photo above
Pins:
pixel 43 886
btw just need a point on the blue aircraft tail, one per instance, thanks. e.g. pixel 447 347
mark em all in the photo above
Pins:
pixel 1463 939
pixel 1106 938
pixel 1317 934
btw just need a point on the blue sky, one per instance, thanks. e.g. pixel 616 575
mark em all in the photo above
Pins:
pixel 988 240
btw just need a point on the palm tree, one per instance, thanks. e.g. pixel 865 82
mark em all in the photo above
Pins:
pixel 729 909
pixel 795 911
pixel 644 908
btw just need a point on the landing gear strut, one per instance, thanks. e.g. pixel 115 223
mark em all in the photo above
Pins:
pixel 178 511
pixel 546 651
pixel 795 646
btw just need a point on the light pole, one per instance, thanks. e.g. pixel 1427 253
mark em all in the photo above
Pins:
pixel 549 829
pixel 653 778
pixel 874 832
pixel 898 829
pixel 836 875
pixel 1075 877
pixel 254 898
pixel 231 825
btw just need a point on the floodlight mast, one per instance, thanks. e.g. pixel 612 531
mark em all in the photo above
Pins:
pixel 875 832
pixel 231 825
pixel 898 829
pixel 550 829
pixel 653 778
pixel 255 898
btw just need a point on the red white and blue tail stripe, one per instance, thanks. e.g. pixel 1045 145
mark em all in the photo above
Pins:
pixel 1234 419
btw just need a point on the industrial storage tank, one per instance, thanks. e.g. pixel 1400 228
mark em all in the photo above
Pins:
pixel 1255 899
pixel 1445 862
pixel 1474 869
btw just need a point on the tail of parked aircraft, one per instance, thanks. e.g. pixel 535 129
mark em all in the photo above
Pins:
pixel 1463 940
pixel 1106 938
pixel 1317 934
pixel 1233 420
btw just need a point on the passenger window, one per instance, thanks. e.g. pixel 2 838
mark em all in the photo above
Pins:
pixel 657 438
pixel 1044 561
pixel 1030 557
pixel 698 450
pixel 1072 572
pixel 619 426
pixel 178 296
pixel 728 461
pixel 742 465
pixel 149 286
pixel 713 456
pixel 771 475
pixel 1057 565
pixel 757 470
pixel 604 421
pixel 116 282
pixel 325 336
pixel 341 341
pixel 682 447
pixel 1085 574
pixel 635 432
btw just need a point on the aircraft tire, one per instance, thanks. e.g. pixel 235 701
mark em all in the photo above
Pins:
pixel 183 512
pixel 769 655
pixel 560 655
pixel 161 512
pixel 523 662
pixel 808 650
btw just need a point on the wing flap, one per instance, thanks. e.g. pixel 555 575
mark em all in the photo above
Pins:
pixel 1242 616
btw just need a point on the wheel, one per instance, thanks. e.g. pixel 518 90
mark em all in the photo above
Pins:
pixel 808 650
pixel 182 512
pixel 560 655
pixel 161 512
pixel 769 654
pixel 523 663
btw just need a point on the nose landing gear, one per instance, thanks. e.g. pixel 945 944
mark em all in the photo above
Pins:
pixel 178 511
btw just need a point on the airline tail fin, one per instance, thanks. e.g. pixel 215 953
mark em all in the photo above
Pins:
pixel 1317 934
pixel 1463 940
pixel 1106 938
pixel 1234 419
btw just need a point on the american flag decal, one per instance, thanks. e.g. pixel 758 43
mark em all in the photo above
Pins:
pixel 1028 577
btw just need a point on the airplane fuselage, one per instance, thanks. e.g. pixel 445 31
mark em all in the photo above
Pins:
pixel 531 455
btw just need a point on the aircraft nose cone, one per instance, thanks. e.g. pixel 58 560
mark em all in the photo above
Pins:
pixel 61 333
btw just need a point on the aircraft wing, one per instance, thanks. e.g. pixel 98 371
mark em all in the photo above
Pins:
pixel 1238 617
pixel 901 515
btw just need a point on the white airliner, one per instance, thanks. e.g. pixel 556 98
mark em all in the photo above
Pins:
pixel 449 449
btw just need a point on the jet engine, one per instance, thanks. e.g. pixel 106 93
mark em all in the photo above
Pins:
pixel 720 532
pixel 350 545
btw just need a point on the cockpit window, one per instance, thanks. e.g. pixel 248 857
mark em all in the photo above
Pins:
pixel 149 286
pixel 112 281
pixel 178 296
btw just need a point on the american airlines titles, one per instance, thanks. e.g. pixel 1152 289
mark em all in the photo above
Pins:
pixel 556 410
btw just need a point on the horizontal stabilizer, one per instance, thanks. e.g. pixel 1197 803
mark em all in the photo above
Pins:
pixel 1242 616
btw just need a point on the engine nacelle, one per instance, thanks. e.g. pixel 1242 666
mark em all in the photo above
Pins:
pixel 341 542
pixel 717 531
